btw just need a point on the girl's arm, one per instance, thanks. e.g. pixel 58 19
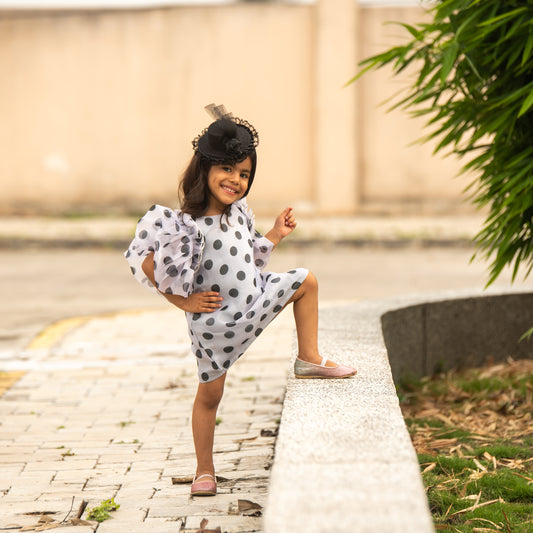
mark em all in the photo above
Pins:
pixel 199 302
pixel 283 225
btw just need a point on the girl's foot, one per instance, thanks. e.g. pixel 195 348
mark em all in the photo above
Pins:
pixel 204 485
pixel 307 370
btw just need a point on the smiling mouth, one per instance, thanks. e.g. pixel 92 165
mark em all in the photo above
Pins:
pixel 228 190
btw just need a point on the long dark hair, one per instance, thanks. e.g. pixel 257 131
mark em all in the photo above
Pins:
pixel 193 191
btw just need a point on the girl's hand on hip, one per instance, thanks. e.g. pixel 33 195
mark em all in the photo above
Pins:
pixel 201 302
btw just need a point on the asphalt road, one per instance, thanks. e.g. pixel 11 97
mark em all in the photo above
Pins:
pixel 39 287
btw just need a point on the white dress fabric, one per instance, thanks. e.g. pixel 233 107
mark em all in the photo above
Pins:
pixel 214 253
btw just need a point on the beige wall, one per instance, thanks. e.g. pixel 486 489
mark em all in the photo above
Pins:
pixel 99 108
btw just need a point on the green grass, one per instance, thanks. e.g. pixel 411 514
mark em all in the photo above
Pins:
pixel 475 448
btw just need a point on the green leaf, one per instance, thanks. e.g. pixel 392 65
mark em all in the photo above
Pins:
pixel 449 57
pixel 526 54
pixel 528 102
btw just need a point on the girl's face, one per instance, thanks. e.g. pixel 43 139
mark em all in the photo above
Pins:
pixel 227 183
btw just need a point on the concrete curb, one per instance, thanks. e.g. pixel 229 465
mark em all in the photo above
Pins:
pixel 117 232
pixel 344 461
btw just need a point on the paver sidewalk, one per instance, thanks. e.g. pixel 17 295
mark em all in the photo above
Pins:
pixel 104 412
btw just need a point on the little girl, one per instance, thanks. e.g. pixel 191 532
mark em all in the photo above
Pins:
pixel 207 259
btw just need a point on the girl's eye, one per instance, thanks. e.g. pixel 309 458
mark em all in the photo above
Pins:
pixel 226 169
pixel 245 176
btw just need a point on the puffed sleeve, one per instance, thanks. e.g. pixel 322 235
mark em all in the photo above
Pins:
pixel 262 246
pixel 177 244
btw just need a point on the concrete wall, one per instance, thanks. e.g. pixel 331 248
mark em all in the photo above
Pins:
pixel 458 333
pixel 99 107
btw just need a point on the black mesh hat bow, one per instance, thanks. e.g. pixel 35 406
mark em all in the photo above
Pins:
pixel 226 139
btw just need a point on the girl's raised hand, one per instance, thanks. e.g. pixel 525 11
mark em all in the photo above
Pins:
pixel 283 225
pixel 285 222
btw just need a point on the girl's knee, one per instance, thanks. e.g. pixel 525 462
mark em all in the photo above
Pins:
pixel 210 394
pixel 310 282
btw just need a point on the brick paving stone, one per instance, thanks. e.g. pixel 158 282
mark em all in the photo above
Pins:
pixel 48 414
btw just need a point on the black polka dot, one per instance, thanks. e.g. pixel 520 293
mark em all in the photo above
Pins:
pixel 143 234
pixel 224 227
pixel 224 269
pixel 209 221
pixel 228 349
pixel 199 354
pixel 295 285
pixel 167 213
pixel 186 287
pixel 276 280
pixel 258 332
pixel 215 288
pixel 208 264
pixel 236 316
pixel 199 279
pixel 152 207
pixel 183 272
pixel 263 249
pixel 205 376
pixel 226 363
pixel 241 275
pixel 263 317
pixel 217 245
pixel 247 258
pixel 266 303
pixel 249 299
pixel 209 352
pixel 292 271
pixel 250 243
pixel 229 334
pixel 248 328
pixel 244 341
pixel 209 321
pixel 230 324
pixel 196 316
pixel 214 365
pixel 185 249
pixel 238 235
pixel 234 293
pixel 233 250
pixel 156 245
pixel 167 259
pixel 255 282
pixel 281 293
pixel 259 263
pixel 239 218
pixel 207 336
pixel 185 239
pixel 224 308
pixel 278 308
pixel 133 270
pixel 250 314
pixel 172 271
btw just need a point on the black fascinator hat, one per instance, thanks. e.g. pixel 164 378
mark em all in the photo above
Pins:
pixel 226 139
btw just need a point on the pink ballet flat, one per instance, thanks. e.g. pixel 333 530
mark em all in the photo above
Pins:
pixel 204 488
pixel 305 370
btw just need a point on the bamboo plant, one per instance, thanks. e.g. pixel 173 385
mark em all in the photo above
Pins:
pixel 473 84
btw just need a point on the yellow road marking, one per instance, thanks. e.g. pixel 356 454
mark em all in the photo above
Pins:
pixel 52 334
pixel 56 331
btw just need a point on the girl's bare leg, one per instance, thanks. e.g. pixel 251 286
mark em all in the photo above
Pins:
pixel 305 309
pixel 204 414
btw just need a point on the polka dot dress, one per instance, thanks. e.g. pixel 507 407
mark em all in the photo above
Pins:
pixel 215 253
